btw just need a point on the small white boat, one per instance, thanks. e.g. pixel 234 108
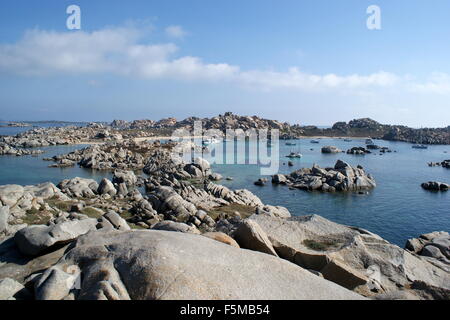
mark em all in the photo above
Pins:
pixel 419 146
pixel 369 141
pixel 314 141
pixel 293 155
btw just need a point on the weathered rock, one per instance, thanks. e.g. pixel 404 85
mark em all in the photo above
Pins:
pixel 4 215
pixel 175 226
pixel 435 186
pixel 12 290
pixel 330 149
pixel 55 283
pixel 79 187
pixel 434 245
pixel 343 275
pixel 215 177
pixel 249 235
pixel 159 265
pixel 127 177
pixel 117 221
pixel 106 187
pixel 221 237
pixel 275 211
pixel 171 203
pixel 10 194
pixel 33 240
pixel 313 242
pixel 342 177
pixel 279 179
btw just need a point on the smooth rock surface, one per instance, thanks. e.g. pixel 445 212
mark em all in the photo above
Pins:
pixel 160 265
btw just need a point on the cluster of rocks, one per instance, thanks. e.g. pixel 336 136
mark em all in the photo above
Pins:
pixel 377 147
pixel 6 149
pixel 16 124
pixel 126 154
pixel 372 128
pixel 443 164
pixel 434 245
pixel 358 151
pixel 144 124
pixel 435 186
pixel 342 177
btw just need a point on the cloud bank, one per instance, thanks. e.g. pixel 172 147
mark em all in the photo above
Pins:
pixel 122 51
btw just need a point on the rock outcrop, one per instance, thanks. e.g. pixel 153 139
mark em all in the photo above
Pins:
pixel 351 257
pixel 435 186
pixel 330 149
pixel 342 177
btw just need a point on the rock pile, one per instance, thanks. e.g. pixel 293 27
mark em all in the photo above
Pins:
pixel 342 177
pixel 435 245
pixel 331 149
pixel 358 151
pixel 435 186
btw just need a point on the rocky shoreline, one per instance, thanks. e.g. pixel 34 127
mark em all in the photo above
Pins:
pixel 162 228
pixel 135 240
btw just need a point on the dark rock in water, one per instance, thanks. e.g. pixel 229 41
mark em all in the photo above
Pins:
pixel 261 182
pixel 290 164
pixel 330 149
pixel 435 186
pixel 279 179
pixel 342 177
pixel 358 151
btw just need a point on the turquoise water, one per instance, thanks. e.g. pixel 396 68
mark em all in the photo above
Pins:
pixel 397 209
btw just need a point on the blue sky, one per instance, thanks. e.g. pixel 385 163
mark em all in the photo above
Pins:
pixel 308 62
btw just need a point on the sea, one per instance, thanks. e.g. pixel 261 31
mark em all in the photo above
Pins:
pixel 397 209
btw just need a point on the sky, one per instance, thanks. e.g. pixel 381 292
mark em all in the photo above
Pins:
pixel 301 61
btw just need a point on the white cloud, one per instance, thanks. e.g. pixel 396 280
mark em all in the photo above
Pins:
pixel 438 83
pixel 175 32
pixel 296 79
pixel 122 51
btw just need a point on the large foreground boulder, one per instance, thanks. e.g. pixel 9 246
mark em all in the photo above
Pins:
pixel 161 265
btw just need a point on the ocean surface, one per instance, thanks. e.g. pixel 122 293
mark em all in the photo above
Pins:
pixel 397 209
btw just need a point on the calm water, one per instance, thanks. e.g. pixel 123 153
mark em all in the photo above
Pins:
pixel 397 209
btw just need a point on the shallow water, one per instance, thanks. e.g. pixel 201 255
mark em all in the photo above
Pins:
pixel 397 209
